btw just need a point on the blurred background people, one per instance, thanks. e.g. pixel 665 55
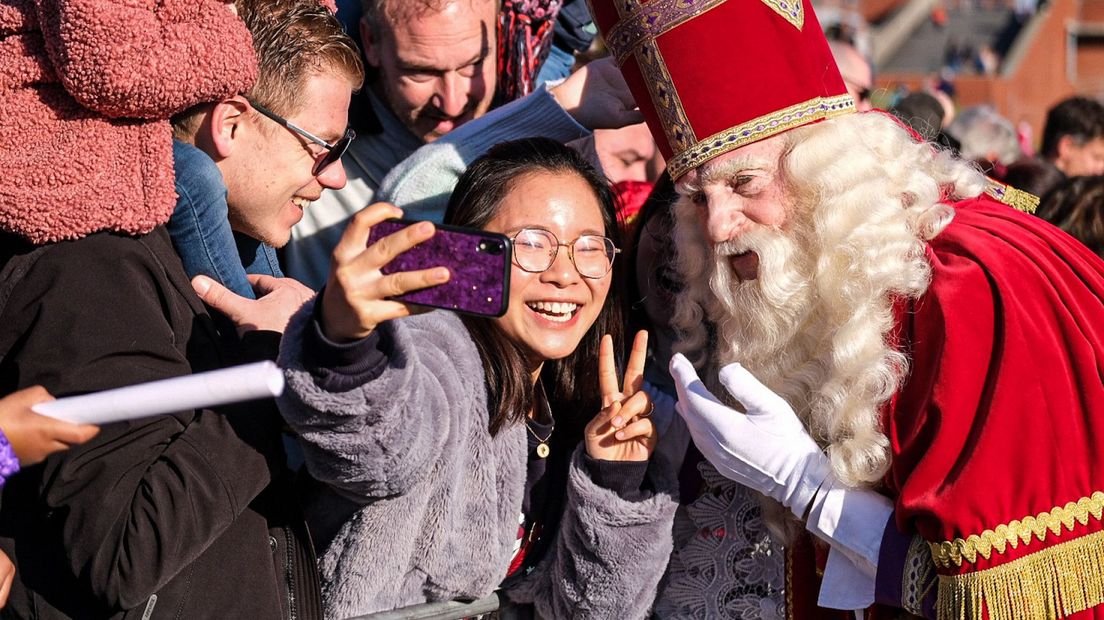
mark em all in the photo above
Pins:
pixel 1076 205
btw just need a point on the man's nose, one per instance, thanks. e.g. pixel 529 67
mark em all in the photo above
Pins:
pixel 333 176
pixel 721 219
pixel 452 93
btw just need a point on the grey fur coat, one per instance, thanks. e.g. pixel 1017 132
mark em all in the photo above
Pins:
pixel 399 428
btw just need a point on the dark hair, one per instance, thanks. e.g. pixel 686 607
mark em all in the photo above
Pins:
pixel 571 384
pixel 660 205
pixel 1077 207
pixel 1033 175
pixel 293 41
pixel 922 112
pixel 1078 117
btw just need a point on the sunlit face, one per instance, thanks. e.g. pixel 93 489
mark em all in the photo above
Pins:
pixel 269 178
pixel 551 311
pixel 437 70
pixel 737 194
pixel 1077 160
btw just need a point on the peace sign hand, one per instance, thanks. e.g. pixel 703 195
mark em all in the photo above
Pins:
pixel 355 299
pixel 622 430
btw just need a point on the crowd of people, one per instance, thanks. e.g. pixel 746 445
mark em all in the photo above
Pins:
pixel 768 351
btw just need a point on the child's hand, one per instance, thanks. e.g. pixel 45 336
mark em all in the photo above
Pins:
pixel 32 436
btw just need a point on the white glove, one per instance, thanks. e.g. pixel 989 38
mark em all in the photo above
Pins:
pixel 768 449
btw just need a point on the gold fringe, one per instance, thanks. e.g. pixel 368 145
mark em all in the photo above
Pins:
pixel 1053 583
pixel 1015 198
pixel 955 552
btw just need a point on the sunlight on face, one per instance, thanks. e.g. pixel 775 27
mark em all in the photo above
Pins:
pixel 551 311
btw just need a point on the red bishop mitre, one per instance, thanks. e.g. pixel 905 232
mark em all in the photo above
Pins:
pixel 713 75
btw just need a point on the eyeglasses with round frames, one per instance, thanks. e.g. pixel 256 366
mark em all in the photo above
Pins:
pixel 535 250
pixel 322 161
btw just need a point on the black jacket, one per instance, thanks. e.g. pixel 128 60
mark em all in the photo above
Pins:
pixel 189 515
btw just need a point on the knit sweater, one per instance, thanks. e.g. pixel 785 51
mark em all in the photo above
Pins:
pixel 88 86
pixel 399 428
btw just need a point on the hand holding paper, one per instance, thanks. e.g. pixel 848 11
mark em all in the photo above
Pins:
pixel 198 391
pixel 33 437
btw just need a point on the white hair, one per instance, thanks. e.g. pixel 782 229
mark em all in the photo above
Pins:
pixel 983 133
pixel 864 199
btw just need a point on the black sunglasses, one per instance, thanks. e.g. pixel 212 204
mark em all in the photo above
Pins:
pixel 333 151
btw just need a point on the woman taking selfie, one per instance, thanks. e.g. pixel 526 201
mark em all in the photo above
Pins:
pixel 453 455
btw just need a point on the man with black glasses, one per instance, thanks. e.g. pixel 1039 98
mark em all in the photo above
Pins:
pixel 253 162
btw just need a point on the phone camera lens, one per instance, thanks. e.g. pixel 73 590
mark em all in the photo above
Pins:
pixel 490 247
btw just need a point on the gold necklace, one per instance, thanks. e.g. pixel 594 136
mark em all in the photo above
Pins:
pixel 542 446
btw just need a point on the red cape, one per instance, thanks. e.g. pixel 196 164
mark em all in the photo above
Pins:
pixel 998 433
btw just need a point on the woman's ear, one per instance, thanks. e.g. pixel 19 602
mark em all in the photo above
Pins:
pixel 226 125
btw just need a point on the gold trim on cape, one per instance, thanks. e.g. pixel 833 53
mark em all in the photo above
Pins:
pixel 1015 198
pixel 1056 582
pixel 957 551
pixel 757 129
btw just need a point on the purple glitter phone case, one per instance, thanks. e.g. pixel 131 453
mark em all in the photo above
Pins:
pixel 478 261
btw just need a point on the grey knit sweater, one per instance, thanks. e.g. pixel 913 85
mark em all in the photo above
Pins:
pixel 398 425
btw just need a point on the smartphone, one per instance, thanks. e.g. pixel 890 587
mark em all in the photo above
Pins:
pixel 478 261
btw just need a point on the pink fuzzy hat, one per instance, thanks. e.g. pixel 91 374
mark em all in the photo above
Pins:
pixel 85 144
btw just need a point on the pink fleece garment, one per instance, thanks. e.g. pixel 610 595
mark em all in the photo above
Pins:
pixel 85 144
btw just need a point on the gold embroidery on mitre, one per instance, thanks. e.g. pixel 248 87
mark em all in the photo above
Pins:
pixel 791 10
pixel 676 126
pixel 1050 523
pixel 624 7
pixel 1056 582
pixel 649 21
pixel 1015 198
pixel 756 129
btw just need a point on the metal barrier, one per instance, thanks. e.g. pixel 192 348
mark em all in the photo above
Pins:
pixel 448 610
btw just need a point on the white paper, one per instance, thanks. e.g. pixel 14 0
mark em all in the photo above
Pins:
pixel 198 391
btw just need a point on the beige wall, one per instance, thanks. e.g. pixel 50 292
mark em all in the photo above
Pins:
pixel 1040 81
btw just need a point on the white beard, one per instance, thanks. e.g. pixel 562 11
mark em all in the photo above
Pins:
pixel 766 323
pixel 793 330
pixel 814 325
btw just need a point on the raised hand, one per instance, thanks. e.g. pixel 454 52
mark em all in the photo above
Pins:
pixel 277 299
pixel 355 298
pixel 766 449
pixel 597 97
pixel 622 430
pixel 32 436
